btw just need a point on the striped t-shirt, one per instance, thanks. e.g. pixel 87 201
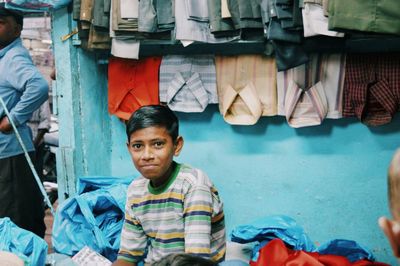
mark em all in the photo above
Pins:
pixel 185 215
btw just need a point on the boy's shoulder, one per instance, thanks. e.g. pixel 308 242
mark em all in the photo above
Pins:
pixel 193 176
pixel 138 183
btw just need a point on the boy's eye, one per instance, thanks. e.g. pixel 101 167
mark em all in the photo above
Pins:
pixel 136 146
pixel 158 144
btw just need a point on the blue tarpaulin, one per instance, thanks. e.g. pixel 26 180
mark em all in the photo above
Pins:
pixel 92 219
pixel 25 244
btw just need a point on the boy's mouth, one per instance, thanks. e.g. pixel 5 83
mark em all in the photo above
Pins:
pixel 149 166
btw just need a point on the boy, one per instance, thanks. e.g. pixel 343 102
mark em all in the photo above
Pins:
pixel 171 208
pixel 392 227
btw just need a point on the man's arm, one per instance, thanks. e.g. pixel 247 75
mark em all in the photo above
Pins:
pixel 32 86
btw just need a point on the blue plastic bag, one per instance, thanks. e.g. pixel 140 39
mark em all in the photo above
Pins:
pixel 92 219
pixel 90 183
pixel 36 5
pixel 270 227
pixel 346 248
pixel 267 228
pixel 25 244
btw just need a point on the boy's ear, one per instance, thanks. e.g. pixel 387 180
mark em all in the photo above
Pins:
pixel 178 145
pixel 392 232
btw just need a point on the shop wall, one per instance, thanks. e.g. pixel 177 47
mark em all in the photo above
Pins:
pixel 330 178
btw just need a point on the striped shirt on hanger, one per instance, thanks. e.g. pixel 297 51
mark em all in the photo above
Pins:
pixel 246 88
pixel 188 83
pixel 312 92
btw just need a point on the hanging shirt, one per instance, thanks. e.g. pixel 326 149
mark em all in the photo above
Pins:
pixel 381 16
pixel 246 88
pixel 192 25
pixel 314 20
pixel 132 84
pixel 305 107
pixel 312 92
pixel 372 87
pixel 124 46
pixel 245 13
pixel 221 23
pixel 188 83
pixel 23 89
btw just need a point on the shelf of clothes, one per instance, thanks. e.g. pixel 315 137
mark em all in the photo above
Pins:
pixel 247 87
pixel 286 29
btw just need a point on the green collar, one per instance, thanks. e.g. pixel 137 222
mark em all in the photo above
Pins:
pixel 171 179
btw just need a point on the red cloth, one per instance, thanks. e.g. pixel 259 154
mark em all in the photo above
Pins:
pixel 132 84
pixel 372 87
pixel 275 253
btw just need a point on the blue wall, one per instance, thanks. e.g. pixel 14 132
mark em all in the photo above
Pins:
pixel 330 178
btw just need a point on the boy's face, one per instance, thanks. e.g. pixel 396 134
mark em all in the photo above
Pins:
pixel 152 150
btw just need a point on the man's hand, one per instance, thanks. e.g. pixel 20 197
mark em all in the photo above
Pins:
pixel 5 126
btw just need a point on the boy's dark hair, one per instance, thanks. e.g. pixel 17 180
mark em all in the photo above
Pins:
pixel 153 116
pixel 182 259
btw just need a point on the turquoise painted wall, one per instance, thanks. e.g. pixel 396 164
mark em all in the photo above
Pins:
pixel 330 178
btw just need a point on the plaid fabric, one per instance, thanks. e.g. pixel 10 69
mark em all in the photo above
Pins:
pixel 372 87
pixel 188 83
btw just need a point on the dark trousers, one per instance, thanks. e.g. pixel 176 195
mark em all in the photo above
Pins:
pixel 39 159
pixel 20 196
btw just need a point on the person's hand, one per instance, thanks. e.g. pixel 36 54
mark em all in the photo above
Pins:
pixel 392 231
pixel 5 126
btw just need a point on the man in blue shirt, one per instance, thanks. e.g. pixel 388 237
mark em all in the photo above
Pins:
pixel 23 90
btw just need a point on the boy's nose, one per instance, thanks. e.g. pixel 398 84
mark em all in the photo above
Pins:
pixel 148 154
